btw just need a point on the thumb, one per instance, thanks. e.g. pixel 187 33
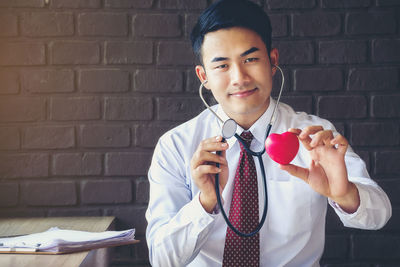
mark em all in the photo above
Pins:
pixel 224 173
pixel 295 170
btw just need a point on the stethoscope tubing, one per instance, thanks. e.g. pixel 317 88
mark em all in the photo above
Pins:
pixel 252 153
pixel 217 191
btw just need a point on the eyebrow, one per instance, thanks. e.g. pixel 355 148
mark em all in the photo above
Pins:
pixel 249 51
pixel 218 59
pixel 245 53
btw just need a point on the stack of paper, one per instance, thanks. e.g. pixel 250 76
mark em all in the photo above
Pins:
pixel 64 241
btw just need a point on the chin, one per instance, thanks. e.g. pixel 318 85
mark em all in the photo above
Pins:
pixel 245 110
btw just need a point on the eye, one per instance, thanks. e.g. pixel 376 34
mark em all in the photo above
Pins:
pixel 251 59
pixel 223 66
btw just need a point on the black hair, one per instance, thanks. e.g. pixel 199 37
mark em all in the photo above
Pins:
pixel 227 14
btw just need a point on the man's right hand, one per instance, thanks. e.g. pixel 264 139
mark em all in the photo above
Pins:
pixel 203 170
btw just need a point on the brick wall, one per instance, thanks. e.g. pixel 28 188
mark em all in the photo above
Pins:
pixel 88 86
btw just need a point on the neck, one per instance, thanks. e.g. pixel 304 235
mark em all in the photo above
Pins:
pixel 246 120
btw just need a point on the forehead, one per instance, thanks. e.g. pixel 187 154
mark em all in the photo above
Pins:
pixel 230 42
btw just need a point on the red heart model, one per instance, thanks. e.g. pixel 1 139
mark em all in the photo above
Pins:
pixel 282 148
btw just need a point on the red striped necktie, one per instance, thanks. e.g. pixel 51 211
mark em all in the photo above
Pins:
pixel 244 213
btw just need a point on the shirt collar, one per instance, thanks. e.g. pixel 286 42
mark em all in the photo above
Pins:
pixel 258 129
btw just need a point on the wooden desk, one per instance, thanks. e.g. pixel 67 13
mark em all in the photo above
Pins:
pixel 23 226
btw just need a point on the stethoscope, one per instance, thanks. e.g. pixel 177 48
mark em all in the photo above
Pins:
pixel 229 130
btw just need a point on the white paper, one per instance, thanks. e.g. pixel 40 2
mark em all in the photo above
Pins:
pixel 58 240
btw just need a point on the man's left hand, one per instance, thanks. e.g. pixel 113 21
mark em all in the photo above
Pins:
pixel 327 173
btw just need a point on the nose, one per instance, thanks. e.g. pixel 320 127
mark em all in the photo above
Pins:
pixel 239 76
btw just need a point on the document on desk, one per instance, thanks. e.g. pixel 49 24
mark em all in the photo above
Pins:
pixel 57 241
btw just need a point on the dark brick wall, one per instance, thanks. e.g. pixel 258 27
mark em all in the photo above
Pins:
pixel 88 86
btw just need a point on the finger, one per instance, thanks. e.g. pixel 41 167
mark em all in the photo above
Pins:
pixel 203 177
pixel 204 157
pixel 212 144
pixel 295 170
pixel 294 131
pixel 204 152
pixel 223 155
pixel 305 140
pixel 322 137
pixel 341 142
pixel 223 178
pixel 310 130
pixel 203 170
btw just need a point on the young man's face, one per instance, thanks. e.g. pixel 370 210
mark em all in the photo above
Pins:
pixel 238 72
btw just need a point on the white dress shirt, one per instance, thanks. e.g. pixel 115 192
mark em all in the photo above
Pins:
pixel 181 233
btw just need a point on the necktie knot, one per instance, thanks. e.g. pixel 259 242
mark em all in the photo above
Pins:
pixel 247 137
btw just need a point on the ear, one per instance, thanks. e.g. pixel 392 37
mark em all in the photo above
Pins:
pixel 274 57
pixel 201 74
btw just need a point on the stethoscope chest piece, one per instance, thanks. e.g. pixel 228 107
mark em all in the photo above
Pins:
pixel 229 128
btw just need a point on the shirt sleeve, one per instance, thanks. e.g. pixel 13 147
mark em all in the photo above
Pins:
pixel 178 225
pixel 375 208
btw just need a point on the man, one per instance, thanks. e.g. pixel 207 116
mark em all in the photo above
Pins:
pixel 233 41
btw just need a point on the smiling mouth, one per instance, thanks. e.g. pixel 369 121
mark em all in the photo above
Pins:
pixel 244 93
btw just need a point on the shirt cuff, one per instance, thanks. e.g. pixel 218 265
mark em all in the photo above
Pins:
pixel 361 207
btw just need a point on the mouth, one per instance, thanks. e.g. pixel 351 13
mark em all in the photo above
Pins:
pixel 244 93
